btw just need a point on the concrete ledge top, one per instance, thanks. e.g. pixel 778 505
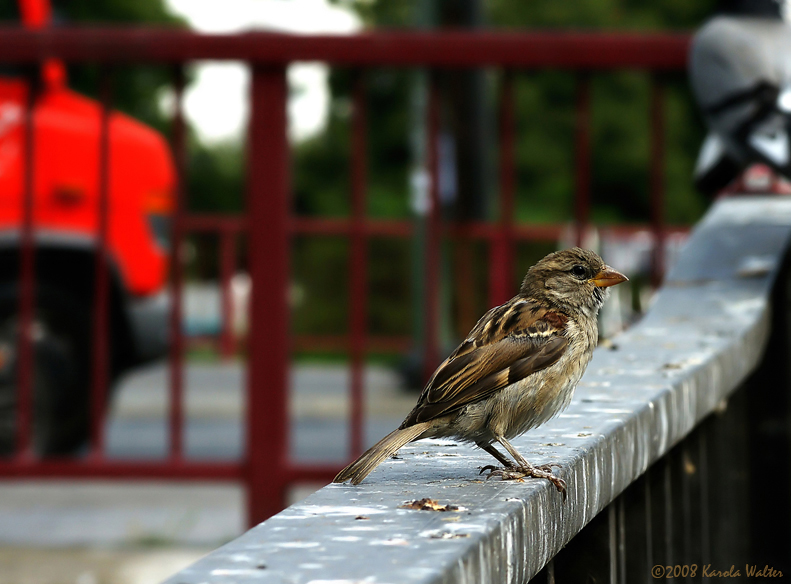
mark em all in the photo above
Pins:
pixel 702 337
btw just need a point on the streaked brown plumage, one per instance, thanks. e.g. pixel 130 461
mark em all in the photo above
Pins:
pixel 516 369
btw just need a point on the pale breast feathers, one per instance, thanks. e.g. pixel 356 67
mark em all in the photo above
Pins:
pixel 509 343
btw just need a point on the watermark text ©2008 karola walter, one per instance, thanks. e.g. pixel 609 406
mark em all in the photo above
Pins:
pixel 709 571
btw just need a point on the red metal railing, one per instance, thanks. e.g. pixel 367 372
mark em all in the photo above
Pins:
pixel 27 293
pixel 266 468
pixel 229 230
pixel 101 317
pixel 177 280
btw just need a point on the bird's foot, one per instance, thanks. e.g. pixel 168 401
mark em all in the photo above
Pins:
pixel 545 472
pixel 509 473
pixel 519 472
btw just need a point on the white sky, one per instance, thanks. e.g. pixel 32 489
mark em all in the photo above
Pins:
pixel 217 101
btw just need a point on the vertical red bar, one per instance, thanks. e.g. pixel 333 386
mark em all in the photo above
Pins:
pixel 464 285
pixel 27 284
pixel 432 232
pixel 101 306
pixel 227 269
pixel 657 180
pixel 176 401
pixel 583 158
pixel 502 260
pixel 268 205
pixel 358 297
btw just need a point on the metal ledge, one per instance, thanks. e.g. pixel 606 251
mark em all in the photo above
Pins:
pixel 705 333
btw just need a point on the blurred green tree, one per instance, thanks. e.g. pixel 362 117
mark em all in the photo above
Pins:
pixel 545 136
pixel 545 104
pixel 545 140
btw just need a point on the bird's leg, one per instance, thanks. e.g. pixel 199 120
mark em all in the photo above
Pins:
pixel 500 457
pixel 521 461
pixel 496 453
pixel 524 468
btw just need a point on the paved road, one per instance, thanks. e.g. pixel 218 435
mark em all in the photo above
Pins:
pixel 130 532
pixel 214 410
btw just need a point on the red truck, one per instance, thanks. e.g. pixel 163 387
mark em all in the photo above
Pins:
pixel 66 156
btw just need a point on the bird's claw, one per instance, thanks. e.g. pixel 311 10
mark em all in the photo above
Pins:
pixel 507 474
pixel 516 473
pixel 559 483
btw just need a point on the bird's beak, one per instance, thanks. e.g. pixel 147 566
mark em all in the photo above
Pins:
pixel 608 277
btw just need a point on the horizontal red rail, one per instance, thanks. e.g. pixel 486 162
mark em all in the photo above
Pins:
pixel 178 470
pixel 214 223
pixel 468 230
pixel 101 468
pixel 331 343
pixel 340 343
pixel 404 228
pixel 559 50
pixel 345 227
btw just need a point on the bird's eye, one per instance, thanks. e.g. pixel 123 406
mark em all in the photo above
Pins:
pixel 578 271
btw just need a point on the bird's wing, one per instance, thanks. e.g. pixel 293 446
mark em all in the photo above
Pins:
pixel 509 343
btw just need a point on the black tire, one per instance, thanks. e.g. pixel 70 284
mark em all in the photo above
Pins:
pixel 61 375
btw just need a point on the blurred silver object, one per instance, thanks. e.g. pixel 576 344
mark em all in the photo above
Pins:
pixel 740 73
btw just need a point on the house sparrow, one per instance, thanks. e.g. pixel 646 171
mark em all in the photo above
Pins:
pixel 516 369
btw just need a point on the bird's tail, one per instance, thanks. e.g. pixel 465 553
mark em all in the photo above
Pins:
pixel 372 457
